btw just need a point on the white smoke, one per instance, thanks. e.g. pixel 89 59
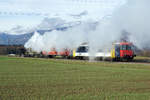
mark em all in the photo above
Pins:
pixel 36 42
pixel 132 17
pixel 70 38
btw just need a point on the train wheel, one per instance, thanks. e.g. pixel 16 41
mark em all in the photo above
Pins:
pixel 130 59
pixel 103 59
pixel 50 56
pixel 81 58
pixel 113 59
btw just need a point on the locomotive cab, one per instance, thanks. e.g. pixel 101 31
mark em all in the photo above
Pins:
pixel 126 51
pixel 123 51
pixel 82 52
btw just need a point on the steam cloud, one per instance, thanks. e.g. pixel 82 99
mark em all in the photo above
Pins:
pixel 133 17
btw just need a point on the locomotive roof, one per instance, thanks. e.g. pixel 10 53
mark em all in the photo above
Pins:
pixel 123 43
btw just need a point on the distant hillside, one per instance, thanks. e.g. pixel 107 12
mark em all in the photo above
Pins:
pixel 7 39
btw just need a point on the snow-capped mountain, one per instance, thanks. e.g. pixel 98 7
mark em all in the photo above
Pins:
pixel 19 30
pixel 56 23
pixel 20 35
pixel 50 23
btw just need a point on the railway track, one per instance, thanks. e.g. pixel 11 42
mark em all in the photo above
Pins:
pixel 135 61
pixel 139 61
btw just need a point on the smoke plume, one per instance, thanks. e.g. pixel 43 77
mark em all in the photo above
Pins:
pixel 134 18
pixel 131 19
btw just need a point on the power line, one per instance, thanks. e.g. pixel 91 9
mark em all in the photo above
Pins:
pixel 23 13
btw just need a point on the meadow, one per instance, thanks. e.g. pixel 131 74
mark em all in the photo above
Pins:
pixel 56 79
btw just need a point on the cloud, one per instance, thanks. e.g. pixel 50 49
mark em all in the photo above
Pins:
pixel 19 11
pixel 58 6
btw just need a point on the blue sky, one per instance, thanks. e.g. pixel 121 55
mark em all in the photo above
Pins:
pixel 29 13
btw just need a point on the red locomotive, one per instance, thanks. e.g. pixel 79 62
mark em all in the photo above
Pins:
pixel 122 51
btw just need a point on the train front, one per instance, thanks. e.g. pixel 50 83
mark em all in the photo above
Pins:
pixel 123 51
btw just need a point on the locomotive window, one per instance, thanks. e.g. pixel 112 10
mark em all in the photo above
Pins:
pixel 128 47
pixel 125 47
pixel 82 49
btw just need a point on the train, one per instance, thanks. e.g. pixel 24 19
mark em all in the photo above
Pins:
pixel 119 51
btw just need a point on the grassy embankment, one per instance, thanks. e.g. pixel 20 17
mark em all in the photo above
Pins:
pixel 47 79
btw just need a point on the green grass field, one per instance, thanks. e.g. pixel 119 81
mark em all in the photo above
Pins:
pixel 49 79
